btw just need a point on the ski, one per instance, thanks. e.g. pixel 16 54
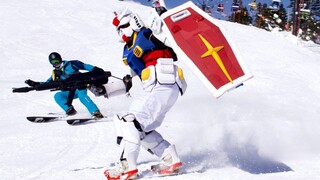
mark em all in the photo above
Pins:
pixel 70 121
pixel 78 121
pixel 43 119
pixel 150 174
pixel 155 170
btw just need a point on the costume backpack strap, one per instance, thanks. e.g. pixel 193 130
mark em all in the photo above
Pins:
pixel 56 73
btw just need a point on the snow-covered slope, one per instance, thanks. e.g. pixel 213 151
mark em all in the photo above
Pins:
pixel 267 129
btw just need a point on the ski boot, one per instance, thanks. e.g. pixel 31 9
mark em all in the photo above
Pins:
pixel 163 169
pixel 170 163
pixel 97 115
pixel 71 111
pixel 119 172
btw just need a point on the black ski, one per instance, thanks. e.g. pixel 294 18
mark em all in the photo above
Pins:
pixel 78 121
pixel 43 119
pixel 70 121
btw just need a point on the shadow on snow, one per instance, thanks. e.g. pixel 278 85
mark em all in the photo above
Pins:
pixel 245 158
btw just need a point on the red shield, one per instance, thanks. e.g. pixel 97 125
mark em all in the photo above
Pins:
pixel 204 46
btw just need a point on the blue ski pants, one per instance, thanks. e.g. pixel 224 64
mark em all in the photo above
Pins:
pixel 61 99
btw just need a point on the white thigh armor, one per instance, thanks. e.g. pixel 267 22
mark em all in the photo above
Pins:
pixel 165 70
pixel 165 73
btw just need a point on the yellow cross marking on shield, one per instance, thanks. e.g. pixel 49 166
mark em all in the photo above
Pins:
pixel 214 53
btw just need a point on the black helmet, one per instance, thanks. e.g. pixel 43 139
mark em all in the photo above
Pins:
pixel 55 59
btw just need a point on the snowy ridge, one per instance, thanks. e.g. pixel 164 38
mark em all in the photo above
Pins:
pixel 267 129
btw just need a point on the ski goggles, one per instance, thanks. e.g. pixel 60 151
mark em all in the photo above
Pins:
pixel 55 62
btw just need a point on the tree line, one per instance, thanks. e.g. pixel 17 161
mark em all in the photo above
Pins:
pixel 303 16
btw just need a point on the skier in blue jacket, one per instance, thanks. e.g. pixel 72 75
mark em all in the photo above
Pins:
pixel 62 70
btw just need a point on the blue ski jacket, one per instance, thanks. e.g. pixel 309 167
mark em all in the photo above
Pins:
pixel 68 68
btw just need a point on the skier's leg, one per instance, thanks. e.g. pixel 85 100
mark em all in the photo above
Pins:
pixel 151 107
pixel 130 144
pixel 61 99
pixel 154 143
pixel 86 101
pixel 130 148
pixel 170 161
pixel 170 156
pixel 158 146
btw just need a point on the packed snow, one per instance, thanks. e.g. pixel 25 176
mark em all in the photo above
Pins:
pixel 267 129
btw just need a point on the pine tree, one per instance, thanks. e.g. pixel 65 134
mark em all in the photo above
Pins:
pixel 282 13
pixel 310 29
pixel 269 19
pixel 315 8
pixel 309 24
pixel 245 18
pixel 259 18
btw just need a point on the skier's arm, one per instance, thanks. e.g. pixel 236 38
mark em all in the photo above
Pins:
pixel 154 23
pixel 78 65
pixel 83 66
pixel 33 83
